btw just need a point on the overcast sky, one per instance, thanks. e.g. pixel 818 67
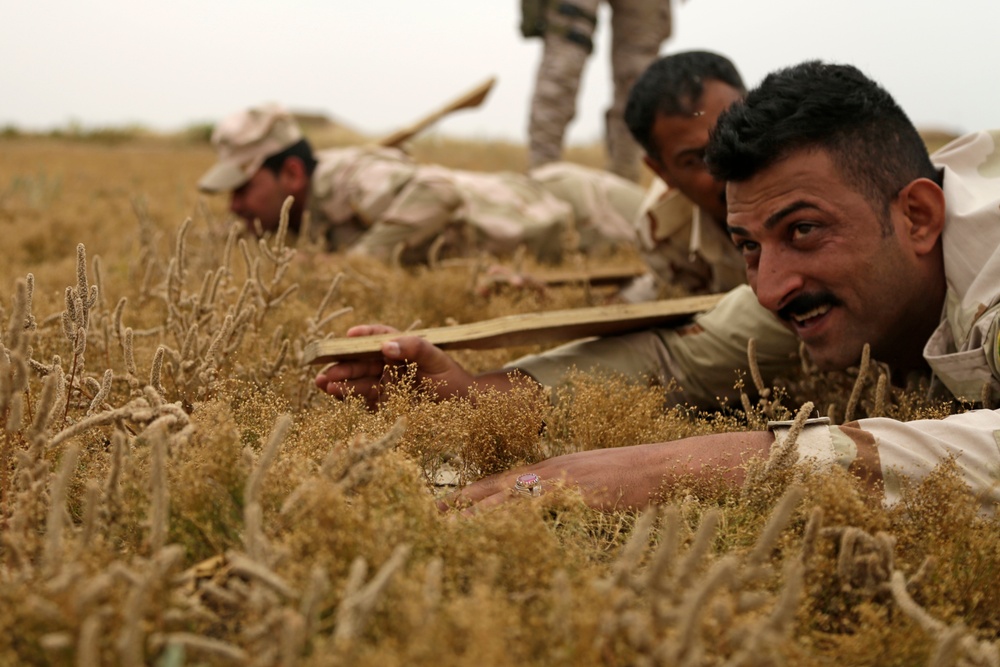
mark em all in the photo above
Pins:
pixel 379 64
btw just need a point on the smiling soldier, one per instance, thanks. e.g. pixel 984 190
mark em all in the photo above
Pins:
pixel 851 235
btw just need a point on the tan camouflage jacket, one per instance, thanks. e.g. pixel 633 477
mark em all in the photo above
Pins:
pixel 377 201
pixel 964 351
pixel 685 246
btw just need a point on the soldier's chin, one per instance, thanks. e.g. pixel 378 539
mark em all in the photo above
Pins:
pixel 827 358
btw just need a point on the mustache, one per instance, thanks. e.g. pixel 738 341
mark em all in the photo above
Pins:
pixel 803 303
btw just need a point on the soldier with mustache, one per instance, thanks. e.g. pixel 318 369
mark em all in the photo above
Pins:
pixel 851 235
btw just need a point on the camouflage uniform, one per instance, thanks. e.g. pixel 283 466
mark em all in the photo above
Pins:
pixel 963 353
pixel 684 246
pixel 638 27
pixel 376 201
pixel 604 205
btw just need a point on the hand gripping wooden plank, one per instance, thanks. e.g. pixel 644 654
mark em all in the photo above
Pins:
pixel 525 329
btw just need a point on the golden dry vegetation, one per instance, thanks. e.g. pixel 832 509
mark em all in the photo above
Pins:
pixel 174 491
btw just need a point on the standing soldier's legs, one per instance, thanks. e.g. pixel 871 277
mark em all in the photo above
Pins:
pixel 568 43
pixel 638 28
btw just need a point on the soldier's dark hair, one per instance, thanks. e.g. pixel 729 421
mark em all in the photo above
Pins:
pixel 825 106
pixel 300 149
pixel 672 86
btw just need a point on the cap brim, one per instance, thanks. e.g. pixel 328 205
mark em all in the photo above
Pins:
pixel 223 177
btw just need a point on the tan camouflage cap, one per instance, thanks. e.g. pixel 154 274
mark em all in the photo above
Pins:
pixel 244 140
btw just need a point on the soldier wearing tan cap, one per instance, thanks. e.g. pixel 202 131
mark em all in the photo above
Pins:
pixel 263 159
pixel 376 201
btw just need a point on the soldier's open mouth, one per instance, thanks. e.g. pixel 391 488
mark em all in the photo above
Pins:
pixel 806 311
pixel 808 317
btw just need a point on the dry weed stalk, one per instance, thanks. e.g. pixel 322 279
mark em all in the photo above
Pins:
pixel 781 461
pixel 865 562
pixel 139 411
pixel 279 255
pixel 768 406
pixel 193 319
pixel 159 517
pixel 56 524
pixel 201 645
pixel 206 330
pixel 312 599
pixel 15 360
pixel 348 468
pixel 955 644
pixel 15 356
pixel 786 453
pixel 76 325
pixel 139 602
pixel 852 401
pixel 253 570
pixel 881 389
pixel 662 613
pixel 360 598
pixel 253 538
pixel 313 331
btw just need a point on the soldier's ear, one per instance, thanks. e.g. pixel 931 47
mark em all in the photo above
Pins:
pixel 657 168
pixel 922 204
pixel 293 173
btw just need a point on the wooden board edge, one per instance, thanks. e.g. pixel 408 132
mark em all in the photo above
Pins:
pixel 523 329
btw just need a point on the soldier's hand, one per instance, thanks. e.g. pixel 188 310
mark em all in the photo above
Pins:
pixel 368 378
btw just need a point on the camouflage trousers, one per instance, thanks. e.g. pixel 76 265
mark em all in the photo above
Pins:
pixel 638 28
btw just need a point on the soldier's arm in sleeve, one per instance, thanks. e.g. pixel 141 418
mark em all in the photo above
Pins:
pixel 704 356
pixel 913 449
pixel 880 452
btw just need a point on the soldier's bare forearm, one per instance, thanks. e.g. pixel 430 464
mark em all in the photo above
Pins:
pixel 634 476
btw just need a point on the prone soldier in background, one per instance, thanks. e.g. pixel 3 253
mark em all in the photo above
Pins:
pixel 376 201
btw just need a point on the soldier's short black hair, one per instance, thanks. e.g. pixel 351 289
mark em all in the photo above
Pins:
pixel 826 106
pixel 672 86
pixel 300 149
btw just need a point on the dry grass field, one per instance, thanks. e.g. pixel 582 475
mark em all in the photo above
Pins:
pixel 173 491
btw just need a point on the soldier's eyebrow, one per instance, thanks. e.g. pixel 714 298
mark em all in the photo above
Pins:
pixel 773 220
pixel 776 217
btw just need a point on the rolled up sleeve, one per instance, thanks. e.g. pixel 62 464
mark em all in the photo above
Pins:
pixel 911 450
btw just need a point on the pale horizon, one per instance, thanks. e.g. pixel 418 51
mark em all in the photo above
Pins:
pixel 379 65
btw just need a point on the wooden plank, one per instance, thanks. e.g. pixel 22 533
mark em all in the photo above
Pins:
pixel 468 100
pixel 525 329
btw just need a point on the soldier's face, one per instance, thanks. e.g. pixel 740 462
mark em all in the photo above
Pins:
pixel 260 198
pixel 836 271
pixel 682 140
